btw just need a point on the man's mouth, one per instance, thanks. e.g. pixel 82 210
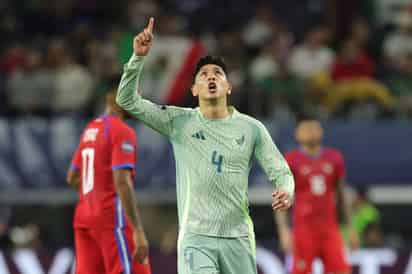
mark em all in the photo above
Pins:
pixel 212 87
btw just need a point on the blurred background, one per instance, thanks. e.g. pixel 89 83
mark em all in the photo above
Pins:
pixel 347 62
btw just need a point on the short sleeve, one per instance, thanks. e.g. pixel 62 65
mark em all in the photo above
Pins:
pixel 123 149
pixel 340 167
pixel 76 162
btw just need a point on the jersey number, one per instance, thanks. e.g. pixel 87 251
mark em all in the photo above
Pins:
pixel 317 185
pixel 88 170
pixel 217 160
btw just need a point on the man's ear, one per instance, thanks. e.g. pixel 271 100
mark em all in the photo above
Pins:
pixel 229 91
pixel 194 90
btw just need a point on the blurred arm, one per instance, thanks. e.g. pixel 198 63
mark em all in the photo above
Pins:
pixel 124 188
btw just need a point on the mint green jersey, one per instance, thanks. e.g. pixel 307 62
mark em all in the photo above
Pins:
pixel 213 159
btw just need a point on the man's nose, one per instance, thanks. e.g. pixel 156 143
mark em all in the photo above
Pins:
pixel 211 78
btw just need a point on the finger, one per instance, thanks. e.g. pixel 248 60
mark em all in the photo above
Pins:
pixel 275 193
pixel 150 25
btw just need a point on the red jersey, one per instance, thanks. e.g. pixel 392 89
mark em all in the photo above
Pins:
pixel 106 144
pixel 316 180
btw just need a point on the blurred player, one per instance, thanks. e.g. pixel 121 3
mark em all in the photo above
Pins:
pixel 213 146
pixel 107 226
pixel 320 181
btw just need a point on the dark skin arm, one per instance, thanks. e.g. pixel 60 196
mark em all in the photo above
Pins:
pixel 344 206
pixel 124 188
pixel 284 233
pixel 73 178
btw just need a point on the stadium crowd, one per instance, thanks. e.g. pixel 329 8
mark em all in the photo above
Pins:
pixel 59 57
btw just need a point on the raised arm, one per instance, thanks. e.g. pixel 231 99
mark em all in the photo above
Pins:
pixel 276 169
pixel 159 118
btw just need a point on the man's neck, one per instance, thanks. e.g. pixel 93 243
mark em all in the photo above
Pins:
pixel 214 110
pixel 312 150
pixel 110 111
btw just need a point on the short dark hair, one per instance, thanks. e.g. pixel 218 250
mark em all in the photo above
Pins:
pixel 210 60
pixel 305 117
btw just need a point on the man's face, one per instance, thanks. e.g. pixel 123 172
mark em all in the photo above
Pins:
pixel 309 133
pixel 211 83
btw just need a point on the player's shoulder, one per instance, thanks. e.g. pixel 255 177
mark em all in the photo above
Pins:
pixel 116 126
pixel 293 153
pixel 251 121
pixel 333 153
pixel 176 111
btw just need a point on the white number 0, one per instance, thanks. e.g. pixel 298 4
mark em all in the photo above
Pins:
pixel 317 185
pixel 88 169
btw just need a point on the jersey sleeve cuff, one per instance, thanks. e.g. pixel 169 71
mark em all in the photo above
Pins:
pixel 125 165
pixel 74 167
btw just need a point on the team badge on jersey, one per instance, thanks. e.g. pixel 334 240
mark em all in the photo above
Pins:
pixel 327 168
pixel 239 142
pixel 127 147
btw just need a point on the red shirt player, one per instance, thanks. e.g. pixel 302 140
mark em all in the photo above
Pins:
pixel 319 174
pixel 107 225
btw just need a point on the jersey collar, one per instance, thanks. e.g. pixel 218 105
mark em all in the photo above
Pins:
pixel 232 110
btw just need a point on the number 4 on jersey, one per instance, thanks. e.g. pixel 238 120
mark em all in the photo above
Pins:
pixel 217 160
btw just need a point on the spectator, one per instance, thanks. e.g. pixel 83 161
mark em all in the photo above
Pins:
pixel 352 63
pixel 261 27
pixel 398 44
pixel 365 216
pixel 30 86
pixel 360 32
pixel 400 83
pixel 313 56
pixel 74 84
pixel 372 236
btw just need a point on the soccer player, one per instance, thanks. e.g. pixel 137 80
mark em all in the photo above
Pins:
pixel 107 226
pixel 320 181
pixel 213 147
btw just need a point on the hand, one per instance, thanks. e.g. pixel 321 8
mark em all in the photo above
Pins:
pixel 354 242
pixel 141 245
pixel 143 41
pixel 281 200
pixel 286 242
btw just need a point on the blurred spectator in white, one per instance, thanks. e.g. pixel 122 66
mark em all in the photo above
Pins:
pixel 313 56
pixel 30 86
pixel 352 63
pixel 261 27
pixel 398 44
pixel 74 86
pixel 265 64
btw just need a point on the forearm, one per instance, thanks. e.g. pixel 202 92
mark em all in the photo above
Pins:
pixel 281 220
pixel 344 204
pixel 127 96
pixel 129 203
pixel 284 181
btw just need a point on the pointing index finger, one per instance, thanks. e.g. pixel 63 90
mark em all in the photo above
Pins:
pixel 150 25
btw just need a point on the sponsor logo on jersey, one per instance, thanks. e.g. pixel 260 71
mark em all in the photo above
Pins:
pixel 199 135
pixel 127 147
